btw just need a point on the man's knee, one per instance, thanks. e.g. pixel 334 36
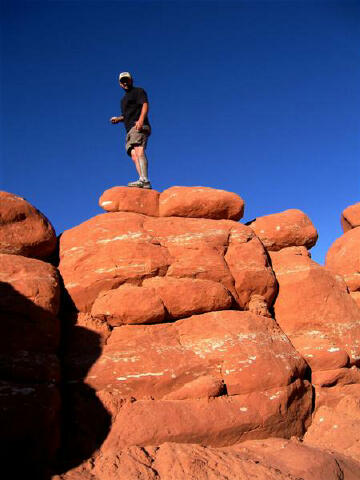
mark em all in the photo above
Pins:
pixel 133 154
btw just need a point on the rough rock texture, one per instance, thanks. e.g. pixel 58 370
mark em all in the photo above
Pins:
pixel 125 199
pixel 343 258
pixel 316 312
pixel 350 217
pixel 170 333
pixel 23 229
pixel 129 304
pixel 271 459
pixel 183 297
pixel 200 202
pixel 290 228
pixel 113 249
pixel 336 423
pixel 29 366
pixel 174 382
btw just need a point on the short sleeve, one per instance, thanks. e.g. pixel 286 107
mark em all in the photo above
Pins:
pixel 142 97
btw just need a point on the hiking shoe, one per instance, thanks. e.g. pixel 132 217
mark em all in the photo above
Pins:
pixel 146 184
pixel 140 184
pixel 137 183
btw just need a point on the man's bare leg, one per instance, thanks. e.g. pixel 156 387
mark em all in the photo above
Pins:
pixel 135 159
pixel 142 162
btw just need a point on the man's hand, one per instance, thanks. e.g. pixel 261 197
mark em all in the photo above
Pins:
pixel 116 119
pixel 139 125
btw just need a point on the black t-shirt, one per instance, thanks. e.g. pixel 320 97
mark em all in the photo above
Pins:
pixel 131 105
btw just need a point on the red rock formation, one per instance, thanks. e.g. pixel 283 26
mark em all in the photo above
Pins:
pixel 168 336
pixel 126 248
pixel 316 312
pixel 23 229
pixel 291 228
pixel 343 258
pixel 29 366
pixel 350 217
pixel 125 199
pixel 271 459
pixel 200 202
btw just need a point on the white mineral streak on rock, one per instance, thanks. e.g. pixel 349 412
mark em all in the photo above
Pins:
pixel 333 349
pixel 71 285
pixel 134 266
pixel 125 236
pixel 278 227
pixel 296 269
pixel 106 203
pixel 243 409
pixel 148 374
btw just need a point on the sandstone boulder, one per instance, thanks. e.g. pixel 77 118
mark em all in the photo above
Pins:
pixel 131 305
pixel 125 199
pixel 167 381
pixel 271 459
pixel 29 366
pixel 336 426
pixel 200 202
pixel 126 248
pixel 106 252
pixel 216 422
pixel 315 311
pixel 285 229
pixel 155 360
pixel 343 258
pixel 29 303
pixel 183 297
pixel 350 217
pixel 23 229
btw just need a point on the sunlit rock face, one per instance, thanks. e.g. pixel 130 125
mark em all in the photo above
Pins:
pixel 23 229
pixel 291 228
pixel 343 258
pixel 350 217
pixel 316 312
pixel 189 346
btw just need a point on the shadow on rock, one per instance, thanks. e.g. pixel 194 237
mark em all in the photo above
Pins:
pixel 85 421
pixel 29 384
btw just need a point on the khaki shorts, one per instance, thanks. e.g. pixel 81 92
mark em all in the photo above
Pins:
pixel 134 138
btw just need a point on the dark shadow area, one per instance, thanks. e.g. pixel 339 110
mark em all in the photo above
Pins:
pixel 30 397
pixel 85 423
pixel 50 420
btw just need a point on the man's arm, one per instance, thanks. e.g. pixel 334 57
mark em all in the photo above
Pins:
pixel 144 111
pixel 117 119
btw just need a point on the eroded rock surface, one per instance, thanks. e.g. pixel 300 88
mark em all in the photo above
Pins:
pixel 29 365
pixel 343 258
pixel 113 249
pixel 271 459
pixel 23 229
pixel 200 202
pixel 126 199
pixel 350 217
pixel 316 312
pixel 291 228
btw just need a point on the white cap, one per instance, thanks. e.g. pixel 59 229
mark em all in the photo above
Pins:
pixel 125 75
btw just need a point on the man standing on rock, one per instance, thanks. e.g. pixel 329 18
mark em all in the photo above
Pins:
pixel 134 109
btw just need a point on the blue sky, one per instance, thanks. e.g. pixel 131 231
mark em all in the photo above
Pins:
pixel 259 98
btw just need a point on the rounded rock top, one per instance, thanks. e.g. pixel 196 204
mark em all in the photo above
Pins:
pixel 23 229
pixel 350 217
pixel 290 228
pixel 189 202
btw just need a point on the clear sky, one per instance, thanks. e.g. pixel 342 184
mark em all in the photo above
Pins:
pixel 256 97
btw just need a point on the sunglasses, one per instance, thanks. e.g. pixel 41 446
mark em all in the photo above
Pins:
pixel 125 80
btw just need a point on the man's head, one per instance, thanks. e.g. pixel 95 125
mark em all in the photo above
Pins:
pixel 125 80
